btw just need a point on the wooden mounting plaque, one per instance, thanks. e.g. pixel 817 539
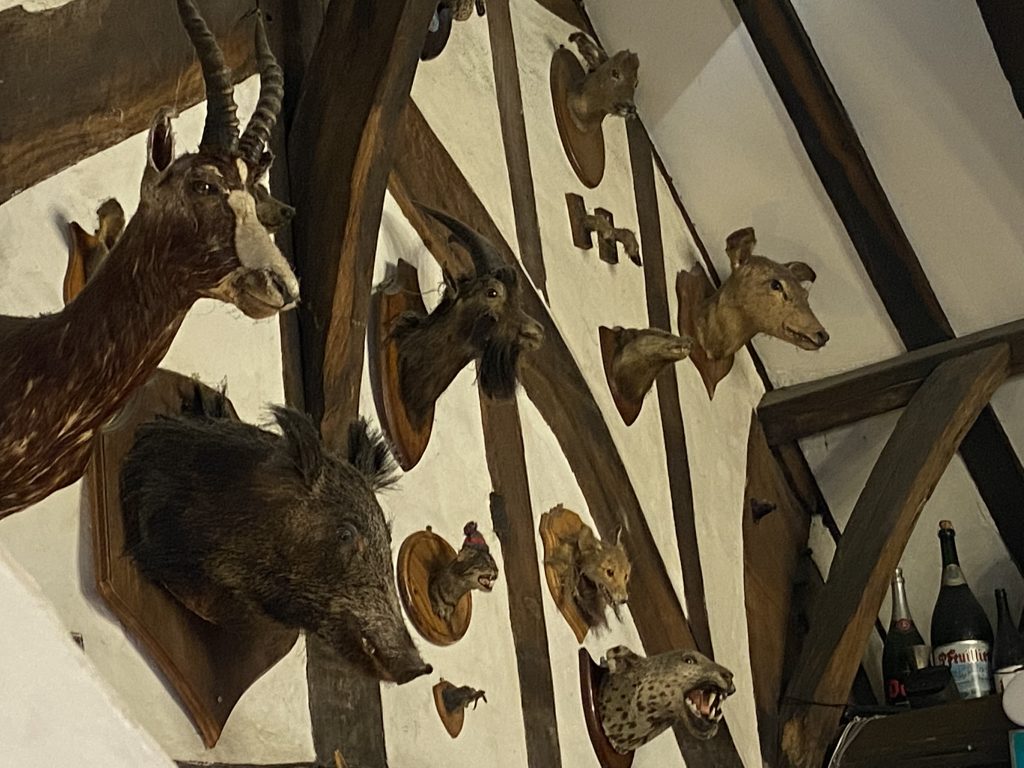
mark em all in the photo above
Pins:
pixel 585 149
pixel 556 524
pixel 691 289
pixel 421 555
pixel 591 677
pixel 400 294
pixel 452 721
pixel 207 665
pixel 628 409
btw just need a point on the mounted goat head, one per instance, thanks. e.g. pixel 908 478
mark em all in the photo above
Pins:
pixel 243 523
pixel 607 89
pixel 201 229
pixel 480 318
pixel 760 296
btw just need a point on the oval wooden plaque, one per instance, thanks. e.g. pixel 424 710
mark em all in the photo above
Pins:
pixel 692 288
pixel 421 555
pixel 556 524
pixel 585 149
pixel 591 677
pixel 400 294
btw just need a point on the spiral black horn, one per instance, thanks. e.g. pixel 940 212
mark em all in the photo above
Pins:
pixel 221 131
pixel 485 256
pixel 257 132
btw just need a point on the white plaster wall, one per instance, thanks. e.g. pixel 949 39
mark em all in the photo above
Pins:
pixel 51 540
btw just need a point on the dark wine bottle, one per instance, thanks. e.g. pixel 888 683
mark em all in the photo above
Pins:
pixel 961 632
pixel 901 637
pixel 1008 651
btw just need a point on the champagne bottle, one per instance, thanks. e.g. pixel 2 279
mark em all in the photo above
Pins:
pixel 900 638
pixel 1008 651
pixel 961 632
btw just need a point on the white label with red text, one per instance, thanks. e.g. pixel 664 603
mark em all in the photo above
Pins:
pixel 968 662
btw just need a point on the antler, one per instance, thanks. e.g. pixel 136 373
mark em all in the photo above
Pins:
pixel 257 133
pixel 221 131
pixel 485 256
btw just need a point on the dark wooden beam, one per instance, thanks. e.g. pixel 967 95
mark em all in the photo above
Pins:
pixel 672 428
pixel 569 11
pixel 914 458
pixel 512 517
pixel 1004 20
pixel 513 135
pixel 65 96
pixel 791 413
pixel 839 158
pixel 425 171
pixel 340 147
pixel 964 734
pixel 354 87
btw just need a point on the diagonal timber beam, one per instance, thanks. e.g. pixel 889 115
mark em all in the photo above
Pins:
pixel 917 453
pixel 791 413
pixel 340 143
pixel 63 98
pixel 1004 19
pixel 340 148
pixel 425 172
pixel 836 152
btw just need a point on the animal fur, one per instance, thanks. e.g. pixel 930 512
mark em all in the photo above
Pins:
pixel 594 575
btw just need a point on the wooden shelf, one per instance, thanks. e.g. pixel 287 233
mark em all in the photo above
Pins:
pixel 965 734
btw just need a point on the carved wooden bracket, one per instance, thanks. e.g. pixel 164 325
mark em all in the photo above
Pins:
pixel 591 677
pixel 633 358
pixel 602 223
pixel 400 293
pixel 207 665
pixel 451 703
pixel 421 555
pixel 692 288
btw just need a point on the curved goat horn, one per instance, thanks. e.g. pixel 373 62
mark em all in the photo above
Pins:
pixel 221 131
pixel 257 132
pixel 485 256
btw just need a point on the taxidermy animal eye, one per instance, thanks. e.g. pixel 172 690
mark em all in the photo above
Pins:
pixel 616 75
pixel 690 660
pixel 347 534
pixel 610 573
pixel 492 293
pixel 776 285
pixel 204 188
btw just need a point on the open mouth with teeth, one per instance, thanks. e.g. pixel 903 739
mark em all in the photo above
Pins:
pixel 704 710
pixel 486 583
pixel 802 340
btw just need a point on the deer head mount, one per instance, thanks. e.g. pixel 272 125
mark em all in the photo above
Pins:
pixel 601 223
pixel 585 575
pixel 633 359
pixel 759 296
pixel 582 99
pixel 440 27
pixel 202 228
pixel 480 318
pixel 452 701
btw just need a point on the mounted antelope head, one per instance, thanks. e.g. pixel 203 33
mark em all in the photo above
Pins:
pixel 480 318
pixel 202 228
pixel 608 87
pixel 760 296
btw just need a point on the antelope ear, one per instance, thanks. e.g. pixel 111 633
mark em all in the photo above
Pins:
pixel 160 144
pixel 618 537
pixel 801 271
pixel 740 246
pixel 262 166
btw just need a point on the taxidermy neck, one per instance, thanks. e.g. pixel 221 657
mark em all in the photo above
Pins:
pixel 722 323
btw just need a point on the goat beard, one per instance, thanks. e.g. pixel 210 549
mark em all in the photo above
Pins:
pixel 497 369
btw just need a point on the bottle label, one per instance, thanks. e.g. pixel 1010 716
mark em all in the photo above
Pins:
pixel 968 662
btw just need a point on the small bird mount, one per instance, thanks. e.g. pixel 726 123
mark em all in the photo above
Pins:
pixel 451 703
pixel 435 582
pixel 400 293
pixel 207 664
pixel 582 99
pixel 633 358
pixel 591 678
pixel 440 28
pixel 602 223
pixel 584 574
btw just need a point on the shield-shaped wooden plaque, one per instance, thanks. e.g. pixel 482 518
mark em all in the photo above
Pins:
pixel 208 666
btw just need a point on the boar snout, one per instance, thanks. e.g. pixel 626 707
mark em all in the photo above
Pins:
pixel 412 672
